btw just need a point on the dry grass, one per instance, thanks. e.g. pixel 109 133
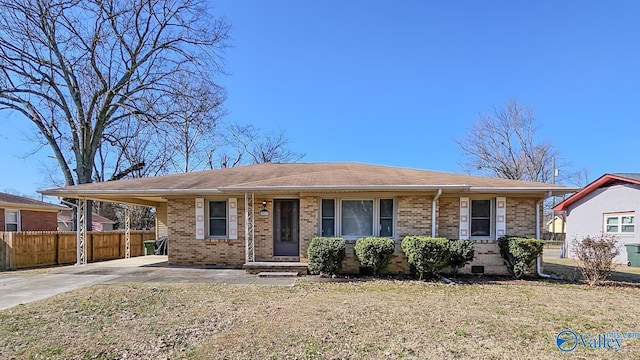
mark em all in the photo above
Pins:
pixel 364 320
pixel 568 268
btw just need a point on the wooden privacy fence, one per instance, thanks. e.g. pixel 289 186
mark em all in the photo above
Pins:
pixel 44 248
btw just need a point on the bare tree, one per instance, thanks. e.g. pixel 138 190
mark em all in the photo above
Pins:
pixel 580 178
pixel 79 69
pixel 247 144
pixel 191 133
pixel 503 144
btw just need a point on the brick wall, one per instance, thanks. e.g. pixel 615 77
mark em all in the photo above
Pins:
pixel 414 215
pixel 31 220
pixel 38 220
pixel 184 249
pixel 487 254
pixel 398 265
pixel 448 217
pixel 413 218
pixel 161 220
pixel 309 214
pixel 521 217
pixel 263 229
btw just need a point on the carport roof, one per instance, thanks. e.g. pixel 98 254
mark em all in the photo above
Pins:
pixel 302 177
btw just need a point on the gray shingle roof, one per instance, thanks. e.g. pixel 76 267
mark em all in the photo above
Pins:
pixel 21 202
pixel 304 176
pixel 634 176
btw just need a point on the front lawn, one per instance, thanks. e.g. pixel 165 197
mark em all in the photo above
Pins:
pixel 363 320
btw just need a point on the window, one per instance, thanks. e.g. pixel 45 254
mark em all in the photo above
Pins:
pixel 620 223
pixel 480 218
pixel 612 224
pixel 11 220
pixel 328 217
pixel 627 224
pixel 357 218
pixel 386 217
pixel 217 218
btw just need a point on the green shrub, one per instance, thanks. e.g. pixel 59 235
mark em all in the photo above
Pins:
pixel 374 252
pixel 595 256
pixel 461 253
pixel 326 255
pixel 426 254
pixel 519 253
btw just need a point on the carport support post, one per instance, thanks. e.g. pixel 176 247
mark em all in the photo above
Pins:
pixel 81 232
pixel 249 233
pixel 127 232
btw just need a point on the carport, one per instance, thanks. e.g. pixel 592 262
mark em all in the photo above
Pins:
pixel 155 198
pixel 83 199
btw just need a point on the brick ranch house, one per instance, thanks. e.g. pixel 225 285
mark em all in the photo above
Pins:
pixel 18 213
pixel 255 214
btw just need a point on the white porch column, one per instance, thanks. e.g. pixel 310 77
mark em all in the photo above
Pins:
pixel 81 232
pixel 127 232
pixel 249 233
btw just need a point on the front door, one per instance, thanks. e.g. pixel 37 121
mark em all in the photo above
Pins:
pixel 286 229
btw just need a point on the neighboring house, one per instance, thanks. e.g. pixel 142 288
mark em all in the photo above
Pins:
pixel 99 223
pixel 270 212
pixel 18 213
pixel 557 225
pixel 607 205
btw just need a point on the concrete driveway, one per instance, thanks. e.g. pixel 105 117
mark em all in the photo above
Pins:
pixel 21 287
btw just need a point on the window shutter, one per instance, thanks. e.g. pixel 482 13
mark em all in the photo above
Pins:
pixel 233 218
pixel 199 219
pixel 465 205
pixel 501 217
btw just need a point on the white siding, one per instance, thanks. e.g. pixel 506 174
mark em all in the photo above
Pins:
pixel 585 217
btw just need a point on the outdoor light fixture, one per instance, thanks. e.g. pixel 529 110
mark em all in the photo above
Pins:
pixel 264 211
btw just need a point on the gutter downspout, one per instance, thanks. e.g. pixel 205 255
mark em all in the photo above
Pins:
pixel 433 212
pixel 539 259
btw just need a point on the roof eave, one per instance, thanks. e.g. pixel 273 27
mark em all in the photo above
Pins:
pixel 596 184
pixel 173 192
pixel 36 207
pixel 313 188
pixel 121 192
pixel 524 189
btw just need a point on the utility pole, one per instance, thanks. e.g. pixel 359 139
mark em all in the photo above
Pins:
pixel 553 181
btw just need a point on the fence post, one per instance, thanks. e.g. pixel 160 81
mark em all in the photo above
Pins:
pixel 2 252
pixel 92 247
pixel 10 251
pixel 56 244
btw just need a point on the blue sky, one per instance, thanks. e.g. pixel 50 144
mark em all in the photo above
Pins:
pixel 396 82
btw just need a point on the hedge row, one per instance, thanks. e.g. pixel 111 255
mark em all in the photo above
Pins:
pixel 425 255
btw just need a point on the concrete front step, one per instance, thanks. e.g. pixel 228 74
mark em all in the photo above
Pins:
pixel 277 274
pixel 278 267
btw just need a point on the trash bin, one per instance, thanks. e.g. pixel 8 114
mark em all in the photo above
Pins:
pixel 633 255
pixel 148 246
